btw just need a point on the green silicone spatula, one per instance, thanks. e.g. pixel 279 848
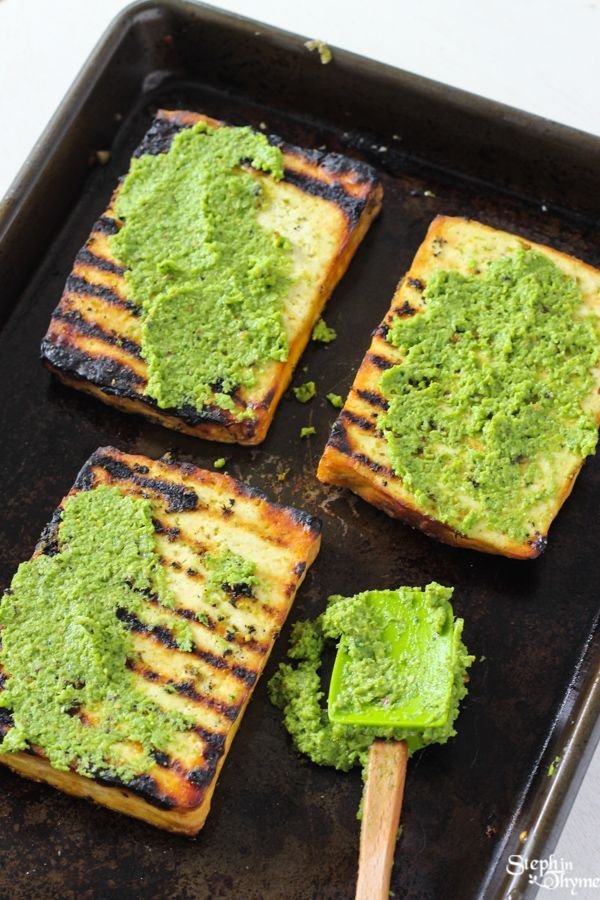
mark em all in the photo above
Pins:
pixel 396 673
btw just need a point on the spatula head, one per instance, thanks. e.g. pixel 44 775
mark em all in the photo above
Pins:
pixel 398 671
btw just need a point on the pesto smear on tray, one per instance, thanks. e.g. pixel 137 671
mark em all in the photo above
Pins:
pixel 65 644
pixel 297 687
pixel 494 374
pixel 210 280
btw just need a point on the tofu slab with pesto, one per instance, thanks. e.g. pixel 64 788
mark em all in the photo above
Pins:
pixel 198 289
pixel 131 642
pixel 479 398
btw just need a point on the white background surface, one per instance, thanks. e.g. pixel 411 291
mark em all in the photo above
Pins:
pixel 540 55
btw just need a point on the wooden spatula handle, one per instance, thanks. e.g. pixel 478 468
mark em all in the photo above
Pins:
pixel 384 789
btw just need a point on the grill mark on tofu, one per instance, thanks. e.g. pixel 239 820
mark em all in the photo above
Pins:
pixel 77 284
pixel 86 478
pixel 6 721
pixel 105 225
pixel 372 398
pixel 90 259
pixel 179 498
pixel 48 542
pixel 374 466
pixel 162 635
pixel 212 625
pixel 143 785
pixel 342 441
pixel 83 326
pixel 188 690
pixel 159 136
pixel 215 514
pixel 404 311
pixel 339 438
pixel 360 421
pixel 299 516
pixel 352 206
pixel 380 362
pixel 197 776
pixel 111 375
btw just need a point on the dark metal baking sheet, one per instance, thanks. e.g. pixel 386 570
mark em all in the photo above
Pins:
pixel 281 827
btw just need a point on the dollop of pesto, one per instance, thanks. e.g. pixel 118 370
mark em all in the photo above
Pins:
pixel 230 573
pixel 209 278
pixel 298 689
pixel 491 386
pixel 305 392
pixel 323 333
pixel 335 400
pixel 65 647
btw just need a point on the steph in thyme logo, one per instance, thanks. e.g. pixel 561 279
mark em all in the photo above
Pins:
pixel 552 873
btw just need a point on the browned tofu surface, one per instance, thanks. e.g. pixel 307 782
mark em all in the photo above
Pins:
pixel 196 512
pixel 357 455
pixel 323 205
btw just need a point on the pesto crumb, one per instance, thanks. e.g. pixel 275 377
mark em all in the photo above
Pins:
pixel 305 392
pixel 307 431
pixel 553 767
pixel 220 463
pixel 323 333
pixel 281 476
pixel 335 400
pixel 324 51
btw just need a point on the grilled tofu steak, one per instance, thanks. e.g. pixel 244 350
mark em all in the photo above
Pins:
pixel 108 342
pixel 479 397
pixel 160 589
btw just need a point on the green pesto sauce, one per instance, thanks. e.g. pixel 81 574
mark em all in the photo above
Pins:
pixel 210 280
pixel 323 333
pixel 228 571
pixel 397 651
pixel 494 374
pixel 305 392
pixel 64 648
pixel 335 400
pixel 298 689
pixel 325 53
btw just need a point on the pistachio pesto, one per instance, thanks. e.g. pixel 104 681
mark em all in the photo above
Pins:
pixel 227 572
pixel 491 387
pixel 323 333
pixel 209 279
pixel 335 400
pixel 66 649
pixel 305 392
pixel 298 689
